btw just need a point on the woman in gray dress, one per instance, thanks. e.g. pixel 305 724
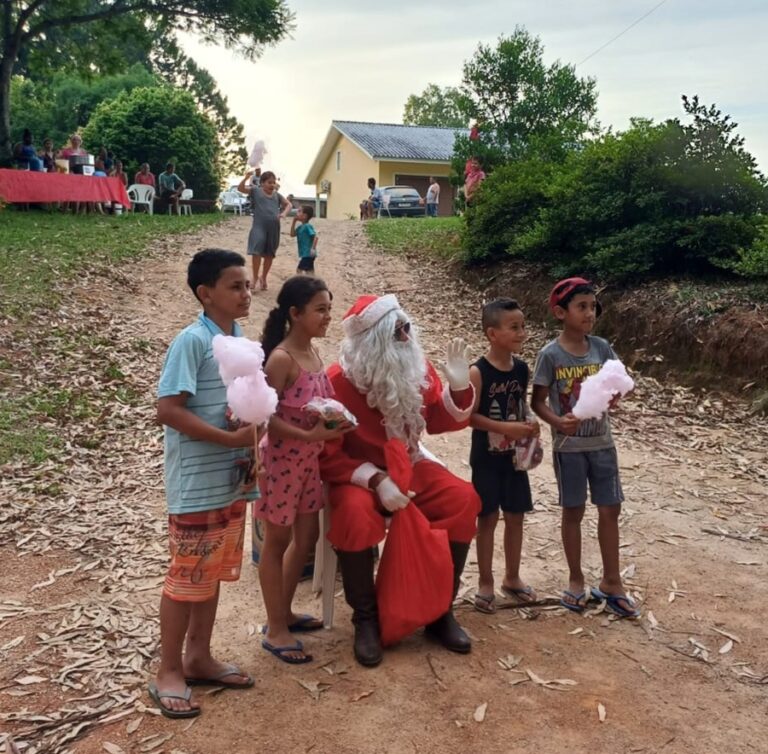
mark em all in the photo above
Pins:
pixel 268 208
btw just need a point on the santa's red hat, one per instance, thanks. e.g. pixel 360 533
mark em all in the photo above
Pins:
pixel 367 311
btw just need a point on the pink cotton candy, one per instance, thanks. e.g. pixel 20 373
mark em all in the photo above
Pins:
pixel 598 390
pixel 248 393
pixel 256 157
pixel 252 399
pixel 237 357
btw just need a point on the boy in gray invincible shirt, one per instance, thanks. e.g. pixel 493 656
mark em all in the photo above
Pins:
pixel 583 450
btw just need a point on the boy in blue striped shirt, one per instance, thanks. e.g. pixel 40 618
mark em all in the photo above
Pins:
pixel 206 487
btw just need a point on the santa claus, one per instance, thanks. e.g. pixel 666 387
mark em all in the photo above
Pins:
pixel 385 380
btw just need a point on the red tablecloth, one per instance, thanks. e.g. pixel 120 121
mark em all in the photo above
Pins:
pixel 27 186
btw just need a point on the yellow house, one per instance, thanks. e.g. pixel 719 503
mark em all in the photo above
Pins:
pixel 393 154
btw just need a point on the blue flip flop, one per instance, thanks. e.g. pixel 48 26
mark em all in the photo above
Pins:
pixel 305 623
pixel 613 603
pixel 281 652
pixel 299 625
pixel 579 606
pixel 521 596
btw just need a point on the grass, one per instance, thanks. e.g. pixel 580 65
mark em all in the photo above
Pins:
pixel 39 248
pixel 39 253
pixel 437 235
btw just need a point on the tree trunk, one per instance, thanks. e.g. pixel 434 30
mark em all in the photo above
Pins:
pixel 6 69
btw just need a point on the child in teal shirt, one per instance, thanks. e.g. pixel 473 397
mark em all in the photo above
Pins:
pixel 306 239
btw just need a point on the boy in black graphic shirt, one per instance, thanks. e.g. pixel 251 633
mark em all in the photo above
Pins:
pixel 500 418
pixel 584 452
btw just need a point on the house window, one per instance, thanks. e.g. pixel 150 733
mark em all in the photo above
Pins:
pixel 338 161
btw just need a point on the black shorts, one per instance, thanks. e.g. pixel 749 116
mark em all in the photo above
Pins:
pixel 500 486
pixel 306 264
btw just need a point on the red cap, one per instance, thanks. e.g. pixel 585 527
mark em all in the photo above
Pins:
pixel 564 288
pixel 367 311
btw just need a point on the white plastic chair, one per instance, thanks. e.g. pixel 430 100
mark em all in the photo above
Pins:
pixel 185 209
pixel 384 206
pixel 324 574
pixel 141 194
pixel 232 200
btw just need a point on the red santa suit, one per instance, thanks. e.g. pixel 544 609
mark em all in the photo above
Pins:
pixel 348 464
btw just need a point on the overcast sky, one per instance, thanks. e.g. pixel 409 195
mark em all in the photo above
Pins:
pixel 353 60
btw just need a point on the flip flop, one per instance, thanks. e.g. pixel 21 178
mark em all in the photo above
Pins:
pixel 581 601
pixel 518 594
pixel 157 696
pixel 305 623
pixel 613 603
pixel 485 603
pixel 219 683
pixel 281 652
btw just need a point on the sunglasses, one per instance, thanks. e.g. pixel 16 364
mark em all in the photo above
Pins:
pixel 402 327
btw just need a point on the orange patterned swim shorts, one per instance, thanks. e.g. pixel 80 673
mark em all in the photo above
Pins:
pixel 206 548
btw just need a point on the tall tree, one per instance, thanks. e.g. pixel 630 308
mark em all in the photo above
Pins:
pixel 87 34
pixel 56 106
pixel 519 100
pixel 157 125
pixel 178 69
pixel 436 106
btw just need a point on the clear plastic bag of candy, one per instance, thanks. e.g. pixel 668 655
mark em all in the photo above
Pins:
pixel 331 412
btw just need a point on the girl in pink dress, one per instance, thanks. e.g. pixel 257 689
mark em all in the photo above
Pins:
pixel 291 490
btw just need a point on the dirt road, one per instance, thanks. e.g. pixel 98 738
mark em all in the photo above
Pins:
pixel 689 677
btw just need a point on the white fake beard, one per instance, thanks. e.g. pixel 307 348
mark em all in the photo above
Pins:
pixel 391 374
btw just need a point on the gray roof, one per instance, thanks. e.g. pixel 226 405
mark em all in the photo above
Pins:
pixel 397 142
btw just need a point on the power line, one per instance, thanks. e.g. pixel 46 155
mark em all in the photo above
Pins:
pixel 622 33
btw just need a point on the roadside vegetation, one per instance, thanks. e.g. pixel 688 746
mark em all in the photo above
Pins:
pixel 63 367
pixel 440 236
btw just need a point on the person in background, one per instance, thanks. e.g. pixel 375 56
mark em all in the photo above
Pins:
pixel 47 156
pixel 370 206
pixel 433 197
pixel 75 148
pixel 25 154
pixel 268 207
pixel 306 239
pixel 118 172
pixel 144 177
pixel 171 186
pixel 473 177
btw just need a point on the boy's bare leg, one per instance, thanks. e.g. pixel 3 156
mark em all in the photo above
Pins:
pixel 305 531
pixel 570 530
pixel 486 527
pixel 276 543
pixel 198 660
pixel 608 537
pixel 174 621
pixel 513 549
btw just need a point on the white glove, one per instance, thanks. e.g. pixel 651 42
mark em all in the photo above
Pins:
pixel 391 497
pixel 456 365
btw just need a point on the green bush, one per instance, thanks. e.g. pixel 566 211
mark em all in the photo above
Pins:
pixel 658 198
pixel 159 125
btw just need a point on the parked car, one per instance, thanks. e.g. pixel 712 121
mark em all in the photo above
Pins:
pixel 404 201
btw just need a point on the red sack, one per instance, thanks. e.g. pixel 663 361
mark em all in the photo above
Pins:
pixel 414 583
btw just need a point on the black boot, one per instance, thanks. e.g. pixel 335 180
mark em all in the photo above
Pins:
pixel 360 593
pixel 446 629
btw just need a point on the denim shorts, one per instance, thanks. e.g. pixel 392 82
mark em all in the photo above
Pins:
pixel 598 467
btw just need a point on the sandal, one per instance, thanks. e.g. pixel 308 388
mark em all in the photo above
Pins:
pixel 521 596
pixel 485 603
pixel 157 696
